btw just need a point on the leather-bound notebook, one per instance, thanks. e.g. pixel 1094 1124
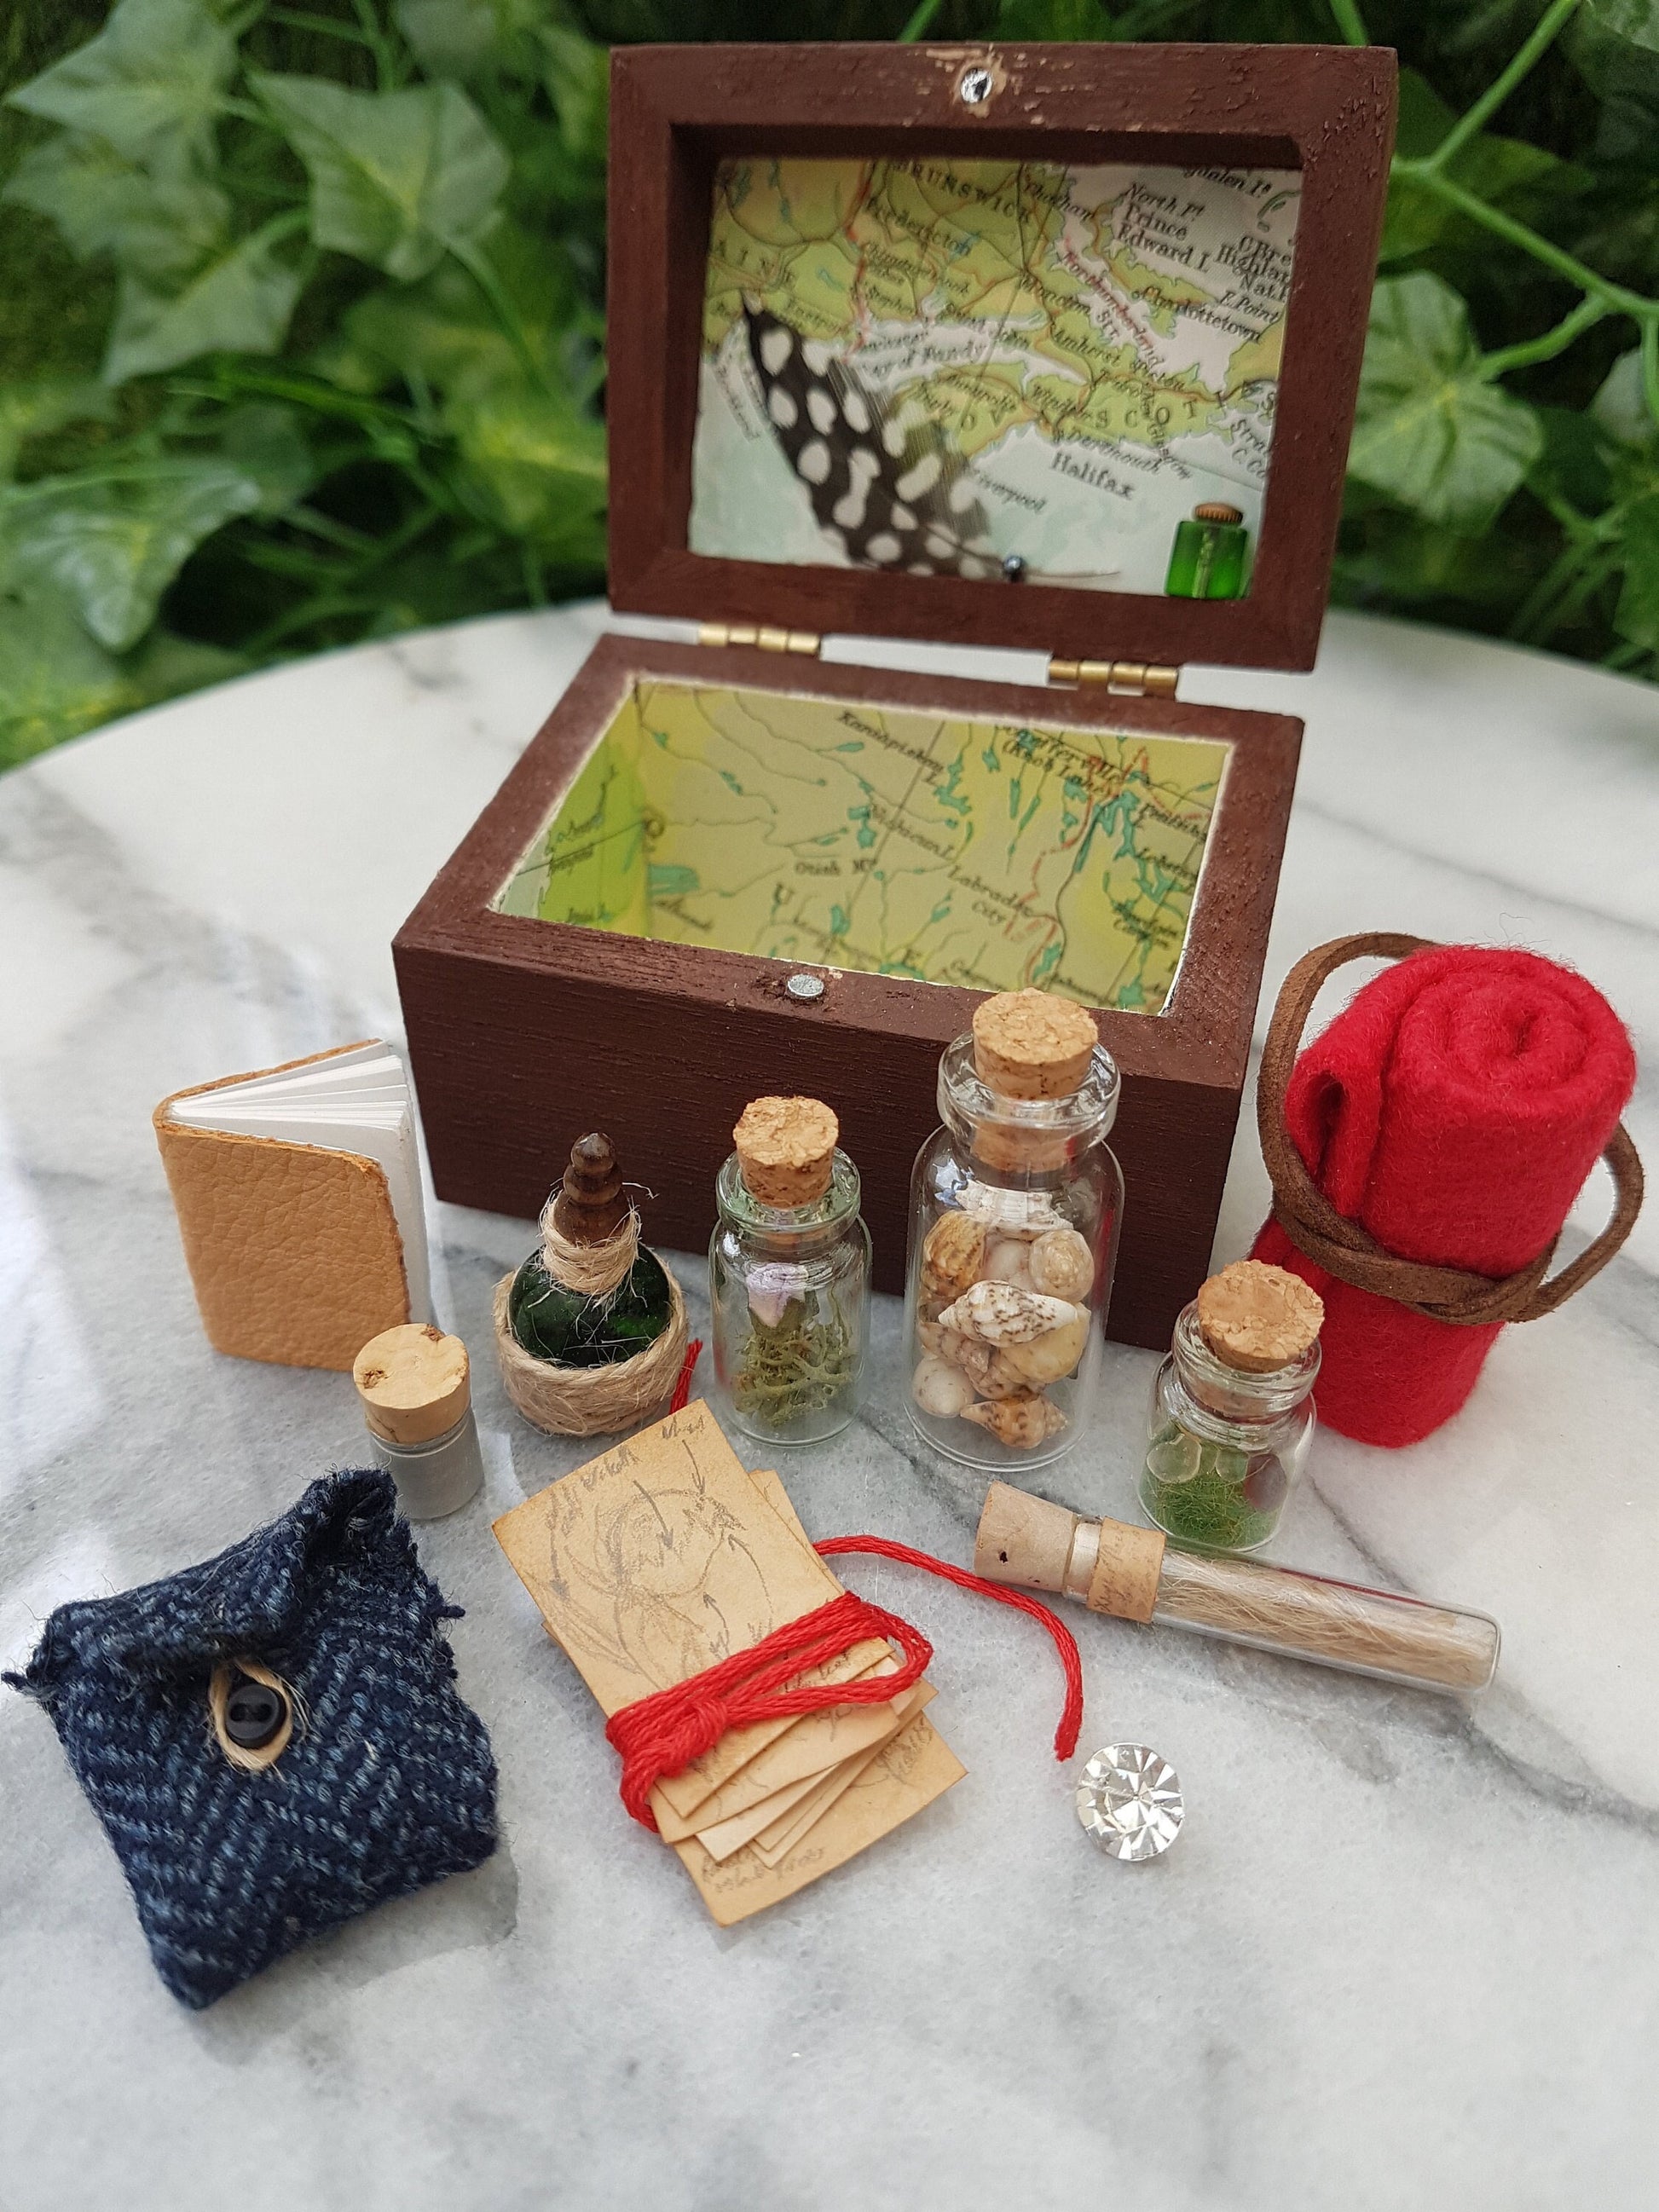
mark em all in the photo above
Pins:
pixel 298 1191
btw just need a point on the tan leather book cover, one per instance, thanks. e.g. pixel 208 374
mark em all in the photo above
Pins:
pixel 294 1249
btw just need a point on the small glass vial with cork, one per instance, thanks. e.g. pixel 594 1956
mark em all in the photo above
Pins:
pixel 1211 554
pixel 1015 1205
pixel 417 1390
pixel 1233 1411
pixel 789 1276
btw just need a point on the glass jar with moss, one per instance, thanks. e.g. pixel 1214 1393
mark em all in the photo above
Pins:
pixel 1232 1410
pixel 788 1276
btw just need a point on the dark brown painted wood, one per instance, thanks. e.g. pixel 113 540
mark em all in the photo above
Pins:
pixel 522 1034
pixel 675 111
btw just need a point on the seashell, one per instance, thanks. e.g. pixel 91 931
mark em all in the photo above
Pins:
pixel 1009 1213
pixel 985 1366
pixel 997 1313
pixel 1020 1422
pixel 1061 1265
pixel 951 1255
pixel 1008 1260
pixel 1047 1357
pixel 941 1389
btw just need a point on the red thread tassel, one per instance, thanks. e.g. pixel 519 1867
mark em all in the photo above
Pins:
pixel 1071 1720
pixel 682 1397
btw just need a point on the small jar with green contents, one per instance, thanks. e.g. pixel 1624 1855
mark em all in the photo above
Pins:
pixel 788 1276
pixel 1232 1412
pixel 1210 558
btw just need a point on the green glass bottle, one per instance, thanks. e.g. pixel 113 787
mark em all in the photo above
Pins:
pixel 561 1321
pixel 1210 554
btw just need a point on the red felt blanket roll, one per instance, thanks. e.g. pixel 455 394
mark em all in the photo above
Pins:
pixel 1453 1109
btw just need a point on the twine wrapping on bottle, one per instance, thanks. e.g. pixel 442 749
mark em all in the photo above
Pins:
pixel 592 1402
pixel 1342 1247
pixel 592 1270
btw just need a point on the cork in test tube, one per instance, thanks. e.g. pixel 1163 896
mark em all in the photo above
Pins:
pixel 1137 1575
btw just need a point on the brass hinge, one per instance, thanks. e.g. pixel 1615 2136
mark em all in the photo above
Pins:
pixel 768 640
pixel 1134 679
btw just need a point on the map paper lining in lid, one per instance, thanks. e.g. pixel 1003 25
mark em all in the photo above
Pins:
pixel 919 366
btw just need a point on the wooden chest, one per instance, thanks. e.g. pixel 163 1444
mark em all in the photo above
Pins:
pixel 946 344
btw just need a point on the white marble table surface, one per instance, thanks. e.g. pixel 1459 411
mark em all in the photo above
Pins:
pixel 1405 1954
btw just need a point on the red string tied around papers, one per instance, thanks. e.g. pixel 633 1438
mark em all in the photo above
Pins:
pixel 663 1733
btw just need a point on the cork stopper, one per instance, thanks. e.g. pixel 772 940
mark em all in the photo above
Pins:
pixel 1256 1317
pixel 591 1204
pixel 413 1382
pixel 1022 1539
pixel 786 1149
pixel 1030 1045
pixel 1217 510
pixel 1110 1566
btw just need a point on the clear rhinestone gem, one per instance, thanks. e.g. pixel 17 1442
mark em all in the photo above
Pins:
pixel 1129 1800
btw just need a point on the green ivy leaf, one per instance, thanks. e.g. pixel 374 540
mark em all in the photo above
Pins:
pixel 34 410
pixel 578 85
pixel 154 73
pixel 397 178
pixel 264 443
pixel 1637 616
pixel 102 202
pixel 241 303
pixel 1635 21
pixel 54 681
pixel 113 545
pixel 1431 431
pixel 1620 409
pixel 1507 172
pixel 1573 466
pixel 543 462
pixel 457 38
pixel 1052 19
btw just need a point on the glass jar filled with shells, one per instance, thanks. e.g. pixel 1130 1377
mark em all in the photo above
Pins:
pixel 1014 1211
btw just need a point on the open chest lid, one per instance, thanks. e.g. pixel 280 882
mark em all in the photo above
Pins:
pixel 1052 347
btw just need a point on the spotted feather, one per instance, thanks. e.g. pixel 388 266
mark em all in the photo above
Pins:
pixel 883 482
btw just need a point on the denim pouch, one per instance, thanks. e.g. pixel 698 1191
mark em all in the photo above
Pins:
pixel 382 1782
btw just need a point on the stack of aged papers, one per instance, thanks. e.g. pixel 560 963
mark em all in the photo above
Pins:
pixel 661 1559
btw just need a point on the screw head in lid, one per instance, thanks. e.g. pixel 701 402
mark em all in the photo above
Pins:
pixel 1217 510
pixel 414 1382
pixel 1030 1044
pixel 1256 1318
pixel 787 1150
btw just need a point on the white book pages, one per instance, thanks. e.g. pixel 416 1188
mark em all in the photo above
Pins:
pixel 353 1102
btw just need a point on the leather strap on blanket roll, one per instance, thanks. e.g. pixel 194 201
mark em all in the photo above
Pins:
pixel 1345 1250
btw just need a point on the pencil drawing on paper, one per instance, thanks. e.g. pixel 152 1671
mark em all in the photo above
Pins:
pixel 668 1585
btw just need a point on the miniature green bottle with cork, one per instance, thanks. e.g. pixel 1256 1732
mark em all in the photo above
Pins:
pixel 591 1329
pixel 568 1301
pixel 1210 554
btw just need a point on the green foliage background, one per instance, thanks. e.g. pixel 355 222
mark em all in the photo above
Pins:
pixel 303 323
